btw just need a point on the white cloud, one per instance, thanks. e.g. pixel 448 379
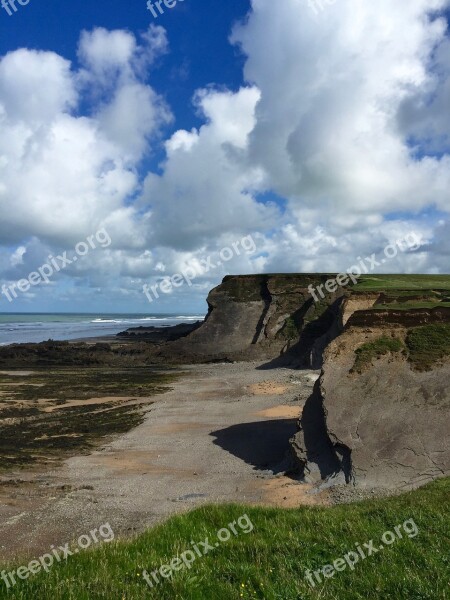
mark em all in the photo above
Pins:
pixel 345 115
pixel 332 88
pixel 206 187
pixel 64 175
pixel 34 86
pixel 106 52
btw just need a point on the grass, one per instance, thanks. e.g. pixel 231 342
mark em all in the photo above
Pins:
pixel 270 561
pixel 366 353
pixel 403 282
pixel 411 305
pixel 424 347
pixel 427 345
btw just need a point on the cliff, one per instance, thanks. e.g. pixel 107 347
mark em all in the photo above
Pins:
pixel 261 317
pixel 379 413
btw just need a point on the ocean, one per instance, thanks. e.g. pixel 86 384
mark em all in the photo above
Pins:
pixel 40 327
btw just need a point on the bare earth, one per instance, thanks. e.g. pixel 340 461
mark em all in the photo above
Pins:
pixel 221 435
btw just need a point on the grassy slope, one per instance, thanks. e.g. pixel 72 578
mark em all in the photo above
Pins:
pixel 425 347
pixel 270 561
pixel 428 344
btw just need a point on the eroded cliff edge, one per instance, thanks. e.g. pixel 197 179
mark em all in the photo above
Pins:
pixel 379 421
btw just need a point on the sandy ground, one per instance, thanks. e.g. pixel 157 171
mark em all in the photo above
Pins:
pixel 221 435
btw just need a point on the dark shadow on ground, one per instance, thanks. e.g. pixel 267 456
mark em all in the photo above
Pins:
pixel 290 360
pixel 262 444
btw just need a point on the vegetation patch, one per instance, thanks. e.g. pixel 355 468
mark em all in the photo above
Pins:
pixel 403 282
pixel 246 288
pixel 428 345
pixel 411 305
pixel 291 329
pixel 366 353
pixel 269 562
pixel 44 418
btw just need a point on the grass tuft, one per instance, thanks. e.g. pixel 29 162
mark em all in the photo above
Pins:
pixel 428 345
pixel 366 353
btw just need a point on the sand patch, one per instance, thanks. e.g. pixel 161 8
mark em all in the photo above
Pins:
pixel 139 463
pixel 91 402
pixel 283 411
pixel 283 492
pixel 267 388
pixel 179 427
pixel 17 373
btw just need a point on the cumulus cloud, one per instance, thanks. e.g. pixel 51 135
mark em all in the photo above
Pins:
pixel 332 89
pixel 62 174
pixel 206 188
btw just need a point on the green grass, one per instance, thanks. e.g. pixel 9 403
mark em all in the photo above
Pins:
pixel 366 353
pixel 403 282
pixel 410 305
pixel 270 561
pixel 427 345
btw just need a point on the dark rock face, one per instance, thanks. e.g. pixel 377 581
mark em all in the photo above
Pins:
pixel 312 446
pixel 261 317
pixel 159 334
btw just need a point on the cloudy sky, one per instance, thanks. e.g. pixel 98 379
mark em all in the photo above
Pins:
pixel 322 133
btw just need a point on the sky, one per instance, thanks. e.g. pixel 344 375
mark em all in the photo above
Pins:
pixel 217 138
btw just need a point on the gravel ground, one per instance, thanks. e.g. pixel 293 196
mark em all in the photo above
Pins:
pixel 221 435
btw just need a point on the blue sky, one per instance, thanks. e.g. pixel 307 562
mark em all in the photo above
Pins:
pixel 200 53
pixel 288 122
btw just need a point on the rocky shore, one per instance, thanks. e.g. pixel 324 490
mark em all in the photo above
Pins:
pixel 344 398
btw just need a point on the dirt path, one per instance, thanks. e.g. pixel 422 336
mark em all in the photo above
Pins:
pixel 221 435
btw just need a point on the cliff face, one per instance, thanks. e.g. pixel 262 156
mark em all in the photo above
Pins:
pixel 379 413
pixel 385 424
pixel 262 317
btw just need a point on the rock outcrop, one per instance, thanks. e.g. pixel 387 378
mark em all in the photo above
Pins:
pixel 262 317
pixel 383 424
